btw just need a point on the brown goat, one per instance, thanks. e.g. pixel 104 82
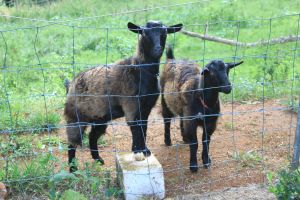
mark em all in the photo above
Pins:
pixel 128 88
pixel 194 96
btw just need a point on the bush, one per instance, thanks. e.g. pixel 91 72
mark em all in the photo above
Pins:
pixel 285 184
pixel 38 176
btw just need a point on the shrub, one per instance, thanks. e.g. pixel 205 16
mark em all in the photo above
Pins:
pixel 285 184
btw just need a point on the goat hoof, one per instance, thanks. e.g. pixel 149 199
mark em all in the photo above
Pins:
pixel 193 168
pixel 73 169
pixel 168 143
pixel 207 164
pixel 146 152
pixel 100 160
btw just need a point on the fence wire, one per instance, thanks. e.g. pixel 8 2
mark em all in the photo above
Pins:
pixel 236 160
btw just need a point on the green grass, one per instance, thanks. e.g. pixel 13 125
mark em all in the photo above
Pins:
pixel 37 177
pixel 37 60
pixel 248 159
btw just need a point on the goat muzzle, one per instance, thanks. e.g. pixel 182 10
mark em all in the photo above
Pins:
pixel 226 89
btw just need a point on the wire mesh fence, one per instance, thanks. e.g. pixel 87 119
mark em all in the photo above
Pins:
pixel 254 134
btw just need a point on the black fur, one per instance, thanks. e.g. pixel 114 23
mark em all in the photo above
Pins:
pixel 198 96
pixel 9 3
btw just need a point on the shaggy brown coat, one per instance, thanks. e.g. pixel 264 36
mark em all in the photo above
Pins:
pixel 127 88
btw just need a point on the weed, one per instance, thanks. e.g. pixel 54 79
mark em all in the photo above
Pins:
pixel 247 159
pixel 292 103
pixel 285 184
pixel 228 126
pixel 37 176
pixel 28 175
pixel 50 140
pixel 17 146
pixel 72 195
pixel 88 183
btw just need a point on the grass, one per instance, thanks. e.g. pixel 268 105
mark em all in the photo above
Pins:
pixel 31 159
pixel 248 159
pixel 37 177
pixel 41 58
pixel 228 126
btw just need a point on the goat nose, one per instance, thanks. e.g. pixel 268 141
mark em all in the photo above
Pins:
pixel 158 49
pixel 227 89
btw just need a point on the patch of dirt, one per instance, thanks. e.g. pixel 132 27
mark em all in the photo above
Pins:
pixel 262 136
pixel 250 192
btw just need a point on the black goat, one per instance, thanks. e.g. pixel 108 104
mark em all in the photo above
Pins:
pixel 9 3
pixel 194 96
pixel 128 88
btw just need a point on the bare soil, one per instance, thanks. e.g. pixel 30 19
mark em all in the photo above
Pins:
pixel 249 192
pixel 262 135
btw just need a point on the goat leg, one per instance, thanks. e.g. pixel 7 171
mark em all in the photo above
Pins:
pixel 184 138
pixel 71 154
pixel 139 138
pixel 190 132
pixel 167 115
pixel 167 123
pixel 96 132
pixel 208 130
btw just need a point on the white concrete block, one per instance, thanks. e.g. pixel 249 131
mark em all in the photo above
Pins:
pixel 140 179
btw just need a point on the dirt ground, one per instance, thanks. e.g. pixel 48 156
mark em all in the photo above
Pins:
pixel 260 141
pixel 249 192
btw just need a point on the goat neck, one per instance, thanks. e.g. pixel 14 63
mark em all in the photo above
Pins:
pixel 209 96
pixel 147 64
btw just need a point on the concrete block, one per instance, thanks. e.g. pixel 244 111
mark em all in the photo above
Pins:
pixel 140 179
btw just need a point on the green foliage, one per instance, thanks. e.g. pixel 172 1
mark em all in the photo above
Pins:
pixel 72 195
pixel 37 60
pixel 86 183
pixel 247 159
pixel 292 103
pixel 16 146
pixel 22 145
pixel 285 184
pixel 37 176
pixel 29 175
pixel 51 140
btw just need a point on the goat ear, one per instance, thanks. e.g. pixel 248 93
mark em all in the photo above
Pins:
pixel 232 65
pixel 134 28
pixel 174 28
pixel 205 71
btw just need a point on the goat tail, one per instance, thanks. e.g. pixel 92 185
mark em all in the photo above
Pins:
pixel 169 52
pixel 67 85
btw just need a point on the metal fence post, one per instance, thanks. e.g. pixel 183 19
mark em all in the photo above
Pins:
pixel 295 161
